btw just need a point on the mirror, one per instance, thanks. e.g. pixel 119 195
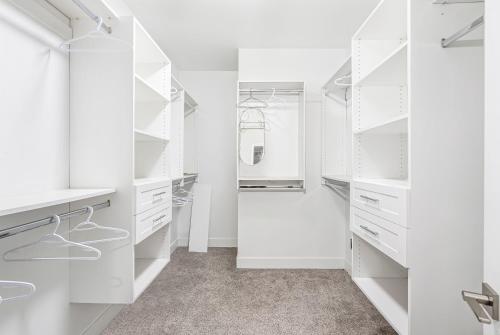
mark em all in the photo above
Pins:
pixel 252 133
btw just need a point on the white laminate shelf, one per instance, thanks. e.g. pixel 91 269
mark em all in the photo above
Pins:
pixel 27 202
pixel 390 297
pixel 146 270
pixel 146 181
pixel 144 136
pixel 399 183
pixel 395 125
pixel 340 178
pixel 391 71
pixel 146 93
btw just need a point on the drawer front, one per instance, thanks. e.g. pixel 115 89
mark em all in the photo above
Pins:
pixel 390 203
pixel 153 195
pixel 387 237
pixel 150 221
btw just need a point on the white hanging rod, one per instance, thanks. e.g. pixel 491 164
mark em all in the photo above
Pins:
pixel 96 18
pixel 446 42
pixel 49 220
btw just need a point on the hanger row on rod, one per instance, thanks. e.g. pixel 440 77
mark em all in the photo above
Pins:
pixel 4 233
pixel 446 42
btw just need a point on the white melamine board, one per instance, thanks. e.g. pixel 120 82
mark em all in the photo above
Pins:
pixel 396 125
pixel 371 54
pixel 391 71
pixel 387 21
pixel 22 203
pixel 146 270
pixel 150 159
pixel 446 140
pixel 144 91
pixel 390 297
pixel 336 133
pixel 143 136
pixel 331 88
pixel 146 49
pixel 341 178
pixel 190 144
pixel 151 117
pixel 177 137
pixel 200 218
pixel 378 105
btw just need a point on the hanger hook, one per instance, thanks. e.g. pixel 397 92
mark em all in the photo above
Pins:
pixel 99 24
pixel 90 211
pixel 57 218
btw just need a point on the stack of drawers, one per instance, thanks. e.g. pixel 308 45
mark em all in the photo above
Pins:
pixel 153 207
pixel 379 216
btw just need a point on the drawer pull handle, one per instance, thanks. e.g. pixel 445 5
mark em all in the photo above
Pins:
pixel 158 220
pixel 158 195
pixel 365 228
pixel 368 198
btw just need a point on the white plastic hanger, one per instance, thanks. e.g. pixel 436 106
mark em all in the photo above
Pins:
pixel 88 226
pixel 253 103
pixel 339 81
pixel 51 243
pixel 98 33
pixel 28 289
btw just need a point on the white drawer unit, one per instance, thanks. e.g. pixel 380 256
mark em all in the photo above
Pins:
pixel 388 202
pixel 387 237
pixel 150 221
pixel 154 194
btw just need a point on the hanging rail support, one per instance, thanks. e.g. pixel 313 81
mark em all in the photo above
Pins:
pixel 96 18
pixel 446 42
pixel 49 220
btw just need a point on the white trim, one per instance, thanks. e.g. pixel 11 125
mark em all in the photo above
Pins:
pixel 173 246
pixel 290 262
pixel 102 320
pixel 348 267
pixel 222 242
pixel 182 242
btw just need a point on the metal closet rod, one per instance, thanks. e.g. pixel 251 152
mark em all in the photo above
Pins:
pixel 446 42
pixel 96 18
pixel 271 90
pixel 49 220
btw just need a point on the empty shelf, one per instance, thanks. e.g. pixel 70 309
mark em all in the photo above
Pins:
pixel 145 92
pixel 27 202
pixel 396 125
pixel 146 270
pixel 391 71
pixel 143 136
pixel 145 181
pixel 402 183
pixel 390 297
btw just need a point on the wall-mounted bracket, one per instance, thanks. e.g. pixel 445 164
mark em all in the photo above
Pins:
pixel 485 306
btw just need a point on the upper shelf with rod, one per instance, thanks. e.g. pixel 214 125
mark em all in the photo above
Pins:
pixel 339 82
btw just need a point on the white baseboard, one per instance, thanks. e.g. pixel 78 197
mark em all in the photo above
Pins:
pixel 100 323
pixel 173 246
pixel 222 242
pixel 214 242
pixel 290 262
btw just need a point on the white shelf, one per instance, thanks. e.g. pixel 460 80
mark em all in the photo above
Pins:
pixel 396 125
pixel 400 183
pixel 391 71
pixel 146 270
pixel 340 178
pixel 390 297
pixel 145 181
pixel 386 22
pixel 28 202
pixel 143 136
pixel 145 92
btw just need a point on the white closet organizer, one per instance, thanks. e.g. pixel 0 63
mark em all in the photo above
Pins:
pixel 120 134
pixel 282 106
pixel 387 223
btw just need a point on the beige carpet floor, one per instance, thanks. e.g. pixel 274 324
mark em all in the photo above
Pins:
pixel 200 294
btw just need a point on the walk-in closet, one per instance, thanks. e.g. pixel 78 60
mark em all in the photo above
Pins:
pixel 249 167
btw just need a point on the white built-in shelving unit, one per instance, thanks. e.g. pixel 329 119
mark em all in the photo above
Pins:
pixel 121 119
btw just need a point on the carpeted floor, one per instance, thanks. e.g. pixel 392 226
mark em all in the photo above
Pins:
pixel 201 294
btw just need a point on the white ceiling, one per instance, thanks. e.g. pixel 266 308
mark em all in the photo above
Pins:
pixel 205 34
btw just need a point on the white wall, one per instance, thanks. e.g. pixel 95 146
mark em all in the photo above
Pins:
pixel 215 92
pixel 34 151
pixel 294 229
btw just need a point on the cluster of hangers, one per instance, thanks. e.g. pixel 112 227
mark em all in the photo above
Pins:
pixel 53 246
pixel 182 197
pixel 255 108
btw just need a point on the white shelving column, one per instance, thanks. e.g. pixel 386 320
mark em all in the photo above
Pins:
pixel 120 135
pixel 380 160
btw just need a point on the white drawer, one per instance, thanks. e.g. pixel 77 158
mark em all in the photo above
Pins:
pixel 150 221
pixel 153 195
pixel 387 237
pixel 390 203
